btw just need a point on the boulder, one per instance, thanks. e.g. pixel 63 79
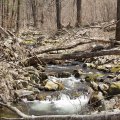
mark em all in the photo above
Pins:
pixel 96 98
pixel 115 69
pixel 77 73
pixel 114 88
pixel 94 85
pixel 31 97
pixel 103 87
pixel 23 93
pixel 42 76
pixel 93 77
pixel 51 85
pixel 40 68
pixel 103 68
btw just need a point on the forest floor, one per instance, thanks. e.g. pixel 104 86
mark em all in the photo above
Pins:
pixel 25 59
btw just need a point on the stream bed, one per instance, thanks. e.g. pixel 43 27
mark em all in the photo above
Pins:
pixel 73 99
pixel 75 95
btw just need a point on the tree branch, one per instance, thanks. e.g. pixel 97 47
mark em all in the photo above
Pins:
pixel 15 110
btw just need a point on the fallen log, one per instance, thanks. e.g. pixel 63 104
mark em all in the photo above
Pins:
pixel 105 41
pixel 101 116
pixel 62 48
pixel 47 57
pixel 80 43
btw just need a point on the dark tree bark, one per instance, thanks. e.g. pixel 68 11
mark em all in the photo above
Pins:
pixel 118 23
pixel 78 12
pixel 18 16
pixel 2 16
pixel 58 13
pixel 33 2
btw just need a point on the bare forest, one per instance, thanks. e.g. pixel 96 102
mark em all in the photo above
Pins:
pixel 59 59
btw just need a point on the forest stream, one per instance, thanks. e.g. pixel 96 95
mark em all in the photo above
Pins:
pixel 69 91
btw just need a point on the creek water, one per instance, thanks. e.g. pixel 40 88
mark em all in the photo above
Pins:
pixel 72 100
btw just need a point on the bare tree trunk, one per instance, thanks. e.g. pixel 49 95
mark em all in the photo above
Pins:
pixel 78 12
pixel 118 23
pixel 33 2
pixel 18 16
pixel 2 13
pixel 58 13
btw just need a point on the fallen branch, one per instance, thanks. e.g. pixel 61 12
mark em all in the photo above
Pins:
pixel 62 48
pixel 114 23
pixel 100 40
pixel 15 110
pixel 101 116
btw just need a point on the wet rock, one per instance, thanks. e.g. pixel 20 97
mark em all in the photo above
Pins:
pixel 107 81
pixel 111 76
pixel 40 68
pixel 109 66
pixel 114 88
pixel 96 99
pixel 42 76
pixel 84 65
pixel 100 79
pixel 115 69
pixel 40 87
pixel 24 83
pixel 31 97
pixel 23 93
pixel 50 85
pixel 93 77
pixel 36 90
pixel 64 75
pixel 75 63
pixel 94 85
pixel 91 65
pixel 118 78
pixel 40 97
pixel 77 73
pixel 103 68
pixel 103 87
